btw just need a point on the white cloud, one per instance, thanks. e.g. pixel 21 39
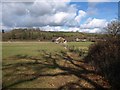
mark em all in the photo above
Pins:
pixel 0 16
pixel 60 17
pixel 91 30
pixel 40 8
pixel 99 0
pixel 61 0
pixel 94 23
pixel 6 28
pixel 73 29
pixel 81 14
pixel 59 28
pixel 41 13
pixel 49 15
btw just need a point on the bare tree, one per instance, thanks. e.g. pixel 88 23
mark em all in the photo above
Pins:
pixel 113 28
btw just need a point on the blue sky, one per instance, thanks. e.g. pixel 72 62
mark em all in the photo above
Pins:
pixel 105 10
pixel 59 16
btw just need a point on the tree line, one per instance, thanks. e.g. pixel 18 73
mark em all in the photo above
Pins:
pixel 39 35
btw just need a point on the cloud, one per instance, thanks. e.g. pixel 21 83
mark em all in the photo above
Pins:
pixel 93 30
pixel 41 13
pixel 50 16
pixel 99 0
pixel 60 17
pixel 59 28
pixel 62 0
pixel 94 23
pixel 0 14
pixel 6 28
pixel 81 14
pixel 73 29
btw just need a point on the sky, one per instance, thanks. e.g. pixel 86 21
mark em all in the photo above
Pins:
pixel 90 16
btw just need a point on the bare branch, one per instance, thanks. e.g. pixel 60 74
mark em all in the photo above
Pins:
pixel 113 28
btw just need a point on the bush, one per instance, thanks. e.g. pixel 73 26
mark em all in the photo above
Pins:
pixel 77 50
pixel 105 57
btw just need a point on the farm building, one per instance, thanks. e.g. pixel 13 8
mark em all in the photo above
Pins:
pixel 81 40
pixel 60 40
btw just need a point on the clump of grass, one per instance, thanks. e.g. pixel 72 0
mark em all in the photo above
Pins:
pixel 77 50
pixel 20 56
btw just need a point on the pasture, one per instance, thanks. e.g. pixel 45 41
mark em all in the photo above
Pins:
pixel 46 65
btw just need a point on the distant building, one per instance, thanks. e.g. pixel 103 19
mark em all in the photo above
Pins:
pixel 81 40
pixel 84 40
pixel 60 40
pixel 77 39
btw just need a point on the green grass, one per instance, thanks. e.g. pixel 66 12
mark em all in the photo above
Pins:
pixel 23 61
pixel 35 48
pixel 31 48
pixel 82 45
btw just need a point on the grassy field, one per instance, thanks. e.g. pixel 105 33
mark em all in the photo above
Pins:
pixel 34 48
pixel 44 65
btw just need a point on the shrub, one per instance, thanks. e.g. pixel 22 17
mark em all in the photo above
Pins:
pixel 105 57
pixel 77 50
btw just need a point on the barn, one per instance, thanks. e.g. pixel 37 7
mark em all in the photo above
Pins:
pixel 60 40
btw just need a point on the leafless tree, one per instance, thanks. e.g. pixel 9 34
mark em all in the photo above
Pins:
pixel 113 28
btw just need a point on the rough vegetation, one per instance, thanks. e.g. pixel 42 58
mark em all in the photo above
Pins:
pixel 105 56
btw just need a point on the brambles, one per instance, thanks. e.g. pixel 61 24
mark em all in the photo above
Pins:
pixel 105 57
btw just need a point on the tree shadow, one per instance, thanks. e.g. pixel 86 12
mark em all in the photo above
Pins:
pixel 49 61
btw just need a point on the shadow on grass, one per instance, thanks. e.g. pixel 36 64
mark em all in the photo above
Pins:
pixel 49 61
